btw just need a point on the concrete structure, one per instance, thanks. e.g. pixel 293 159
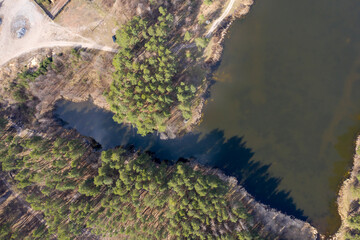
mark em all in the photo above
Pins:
pixel 56 8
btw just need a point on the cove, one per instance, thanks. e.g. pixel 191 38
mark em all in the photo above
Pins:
pixel 284 111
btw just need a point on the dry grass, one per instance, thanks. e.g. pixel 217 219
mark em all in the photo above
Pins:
pixel 349 194
pixel 89 19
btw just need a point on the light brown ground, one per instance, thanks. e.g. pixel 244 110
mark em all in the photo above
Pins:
pixel 99 19
pixel 59 4
pixel 41 32
pixel 347 196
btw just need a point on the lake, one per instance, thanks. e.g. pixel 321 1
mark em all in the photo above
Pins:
pixel 284 111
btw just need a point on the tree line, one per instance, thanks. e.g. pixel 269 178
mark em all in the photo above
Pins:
pixel 129 194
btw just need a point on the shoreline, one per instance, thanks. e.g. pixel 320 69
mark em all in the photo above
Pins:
pixel 212 63
pixel 273 221
pixel 269 222
pixel 346 198
pixel 177 128
pixel 342 199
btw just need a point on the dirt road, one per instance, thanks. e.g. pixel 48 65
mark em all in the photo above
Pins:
pixel 26 28
pixel 219 20
pixel 64 44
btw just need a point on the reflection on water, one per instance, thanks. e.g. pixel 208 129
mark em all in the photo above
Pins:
pixel 285 109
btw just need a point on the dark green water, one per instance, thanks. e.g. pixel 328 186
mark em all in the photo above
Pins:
pixel 289 85
pixel 283 114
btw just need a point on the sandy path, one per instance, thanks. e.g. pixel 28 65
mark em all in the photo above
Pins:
pixel 41 31
pixel 211 30
pixel 63 44
pixel 44 33
pixel 219 20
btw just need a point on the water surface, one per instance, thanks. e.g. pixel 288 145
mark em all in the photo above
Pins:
pixel 283 114
pixel 288 84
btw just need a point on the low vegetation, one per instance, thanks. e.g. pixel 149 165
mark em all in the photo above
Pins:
pixel 21 83
pixel 353 233
pixel 351 228
pixel 45 3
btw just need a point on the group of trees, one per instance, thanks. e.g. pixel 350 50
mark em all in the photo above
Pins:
pixel 147 200
pixel 130 195
pixel 353 219
pixel 28 74
pixel 45 169
pixel 6 231
pixel 354 224
pixel 201 42
pixel 18 88
pixel 144 89
pixel 208 2
pixel 44 161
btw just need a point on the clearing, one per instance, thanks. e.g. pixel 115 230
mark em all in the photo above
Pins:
pixel 26 28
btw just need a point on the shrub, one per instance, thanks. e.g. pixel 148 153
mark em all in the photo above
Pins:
pixel 201 42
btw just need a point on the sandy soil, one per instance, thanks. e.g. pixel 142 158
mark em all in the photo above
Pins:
pixel 40 31
pixel 348 196
pixel 58 6
pixel 219 20
pixel 91 19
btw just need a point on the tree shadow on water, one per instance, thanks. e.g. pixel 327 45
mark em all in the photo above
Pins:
pixel 235 159
pixel 232 156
